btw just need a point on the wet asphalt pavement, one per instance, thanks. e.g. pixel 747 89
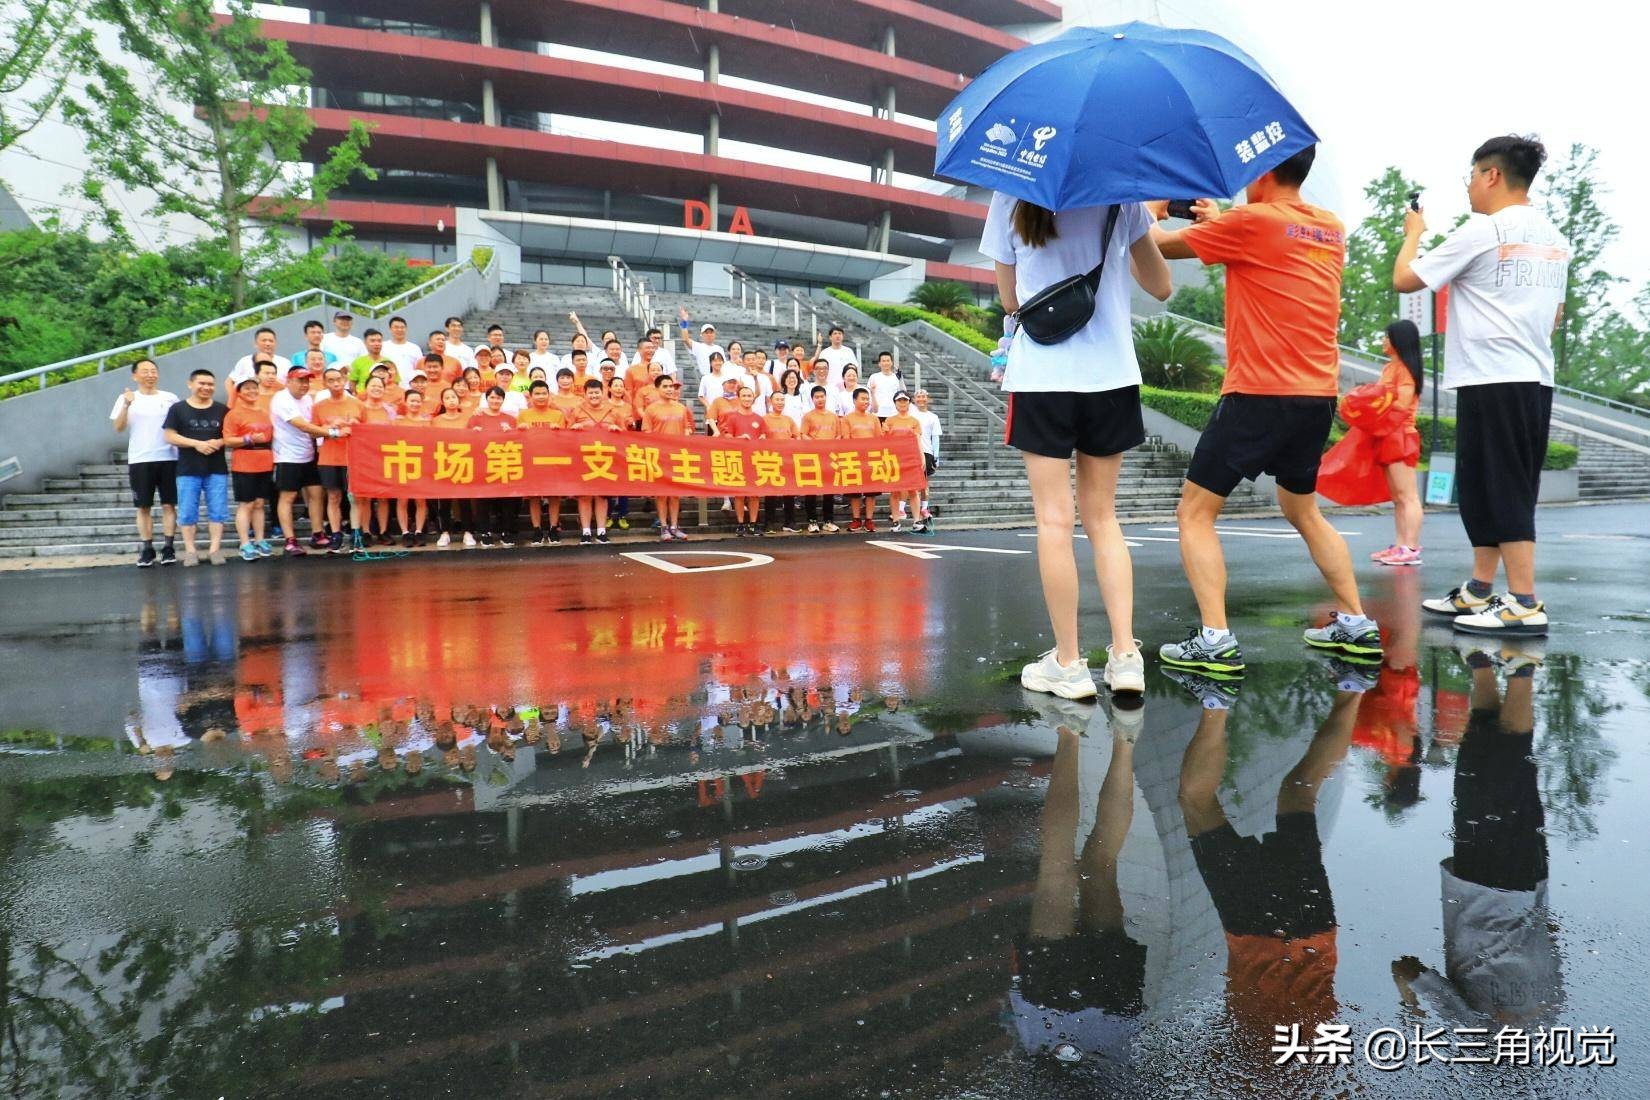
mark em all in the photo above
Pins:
pixel 559 823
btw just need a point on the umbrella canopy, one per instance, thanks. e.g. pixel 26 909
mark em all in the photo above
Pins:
pixel 1116 114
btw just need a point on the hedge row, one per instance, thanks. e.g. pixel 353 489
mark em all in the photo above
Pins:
pixel 898 315
pixel 1195 409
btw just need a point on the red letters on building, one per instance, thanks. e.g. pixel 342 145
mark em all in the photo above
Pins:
pixel 741 222
pixel 696 215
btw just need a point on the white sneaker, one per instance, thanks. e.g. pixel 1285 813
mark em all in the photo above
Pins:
pixel 1505 616
pixel 1457 601
pixel 1067 681
pixel 444 541
pixel 1125 673
pixel 469 541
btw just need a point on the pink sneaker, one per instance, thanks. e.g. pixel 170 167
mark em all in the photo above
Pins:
pixel 1380 555
pixel 1402 555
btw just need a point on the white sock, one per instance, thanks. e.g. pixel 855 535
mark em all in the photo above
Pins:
pixel 1350 621
pixel 1211 635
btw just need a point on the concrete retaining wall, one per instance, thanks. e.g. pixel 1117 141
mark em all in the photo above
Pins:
pixel 52 432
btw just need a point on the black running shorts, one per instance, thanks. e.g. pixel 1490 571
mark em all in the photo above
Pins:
pixel 1253 434
pixel 1056 424
pixel 149 479
pixel 1500 444
pixel 293 477
pixel 334 477
pixel 250 487
pixel 1263 885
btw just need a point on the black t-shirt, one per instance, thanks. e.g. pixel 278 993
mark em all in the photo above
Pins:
pixel 193 423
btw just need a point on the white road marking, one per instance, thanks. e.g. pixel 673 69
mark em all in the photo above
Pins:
pixel 660 560
pixel 925 550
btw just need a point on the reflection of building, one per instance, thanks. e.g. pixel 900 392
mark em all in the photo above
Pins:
pixel 563 131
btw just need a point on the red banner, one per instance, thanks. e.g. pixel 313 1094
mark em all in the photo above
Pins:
pixel 430 463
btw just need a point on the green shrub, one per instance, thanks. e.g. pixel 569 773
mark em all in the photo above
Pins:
pixel 1191 409
pixel 890 314
pixel 1560 456
pixel 1173 357
pixel 947 298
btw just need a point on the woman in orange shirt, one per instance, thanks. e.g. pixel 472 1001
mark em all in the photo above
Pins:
pixel 619 401
pixel 414 515
pixel 374 410
pixel 1398 452
pixel 861 424
pixel 450 515
pixel 902 422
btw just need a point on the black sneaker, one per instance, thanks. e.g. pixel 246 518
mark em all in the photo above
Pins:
pixel 486 538
pixel 555 535
pixel 1213 694
pixel 168 556
pixel 1223 659
pixel 146 555
pixel 407 539
pixel 538 536
pixel 584 538
pixel 601 537
pixel 335 544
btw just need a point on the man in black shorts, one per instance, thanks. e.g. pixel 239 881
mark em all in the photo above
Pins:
pixel 291 414
pixel 1283 262
pixel 151 462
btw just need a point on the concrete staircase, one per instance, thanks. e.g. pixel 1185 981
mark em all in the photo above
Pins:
pixel 1607 471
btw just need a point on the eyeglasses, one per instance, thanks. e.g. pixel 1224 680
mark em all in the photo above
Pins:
pixel 1467 179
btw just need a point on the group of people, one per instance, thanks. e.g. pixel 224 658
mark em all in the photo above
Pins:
pixel 277 438
pixel 1506 266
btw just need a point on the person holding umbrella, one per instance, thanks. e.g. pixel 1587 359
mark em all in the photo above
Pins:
pixel 1283 260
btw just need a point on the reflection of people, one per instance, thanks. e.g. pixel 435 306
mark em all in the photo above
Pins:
pixel 1080 978
pixel 1386 722
pixel 1500 953
pixel 1271 891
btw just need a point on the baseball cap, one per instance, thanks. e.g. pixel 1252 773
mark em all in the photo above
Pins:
pixel 342 316
pixel 707 327
pixel 419 374
pixel 245 382
pixel 781 343
pixel 300 372
pixel 902 396
pixel 502 367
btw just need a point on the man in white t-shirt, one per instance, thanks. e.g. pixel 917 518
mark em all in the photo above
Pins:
pixel 884 384
pixel 263 347
pixel 151 462
pixel 1506 267
pixel 340 346
pixel 930 438
pixel 716 371
pixel 701 348
pixel 456 347
pixel 292 414
pixel 836 354
pixel 399 350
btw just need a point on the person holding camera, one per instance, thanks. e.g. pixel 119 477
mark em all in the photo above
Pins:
pixel 1283 260
pixel 1506 267
pixel 1073 386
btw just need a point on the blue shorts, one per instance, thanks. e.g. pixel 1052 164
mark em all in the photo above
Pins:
pixel 190 487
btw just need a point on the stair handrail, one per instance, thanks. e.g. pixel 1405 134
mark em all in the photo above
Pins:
pixel 262 312
pixel 954 385
pixel 752 292
pixel 633 293
pixel 799 303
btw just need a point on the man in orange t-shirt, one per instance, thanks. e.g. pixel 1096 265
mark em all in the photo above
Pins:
pixel 336 409
pixel 862 423
pixel 820 422
pixel 744 422
pixel 779 426
pixel 541 415
pixel 596 413
pixel 251 466
pixel 1283 261
pixel 668 416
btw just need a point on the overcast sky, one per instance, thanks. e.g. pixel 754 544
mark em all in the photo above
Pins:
pixel 1420 85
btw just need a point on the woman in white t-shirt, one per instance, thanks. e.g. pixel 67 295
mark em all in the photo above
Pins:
pixel 1080 395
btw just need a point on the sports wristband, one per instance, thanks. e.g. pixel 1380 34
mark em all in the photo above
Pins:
pixel 684 324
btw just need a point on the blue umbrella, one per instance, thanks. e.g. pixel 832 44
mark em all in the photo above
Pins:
pixel 1117 114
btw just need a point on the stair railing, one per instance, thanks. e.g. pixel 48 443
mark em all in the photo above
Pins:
pixel 633 293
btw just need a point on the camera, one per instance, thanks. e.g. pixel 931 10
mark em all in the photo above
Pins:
pixel 1182 208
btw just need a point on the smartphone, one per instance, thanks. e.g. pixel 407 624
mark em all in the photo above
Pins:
pixel 1181 208
pixel 1415 201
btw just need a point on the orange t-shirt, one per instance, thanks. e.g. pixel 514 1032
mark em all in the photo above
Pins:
pixel 906 423
pixel 264 397
pixel 739 424
pixel 537 418
pixel 606 417
pixel 639 377
pixel 243 420
pixel 459 420
pixel 336 411
pixel 780 426
pixel 492 425
pixel 719 406
pixel 819 424
pixel 858 425
pixel 1283 295
pixel 469 403
pixel 407 420
pixel 668 418
pixel 566 402
pixel 1396 374
pixel 377 414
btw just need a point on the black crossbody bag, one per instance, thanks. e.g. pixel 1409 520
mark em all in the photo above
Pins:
pixel 1061 309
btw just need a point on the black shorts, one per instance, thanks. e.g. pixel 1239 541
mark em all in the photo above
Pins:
pixel 294 477
pixel 1500 834
pixel 928 464
pixel 250 487
pixel 1252 434
pixel 1261 885
pixel 1100 968
pixel 151 478
pixel 1500 444
pixel 334 478
pixel 1056 424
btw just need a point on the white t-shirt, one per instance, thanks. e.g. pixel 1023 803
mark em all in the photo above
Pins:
pixel 840 400
pixel 243 370
pixel 463 352
pixel 1506 273
pixel 931 431
pixel 406 356
pixel 146 436
pixel 701 356
pixel 883 387
pixel 796 407
pixel 342 350
pixel 292 444
pixel 1100 355
pixel 549 360
pixel 710 385
pixel 514 402
pixel 837 358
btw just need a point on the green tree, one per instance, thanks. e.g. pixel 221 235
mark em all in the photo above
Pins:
pixel 1172 356
pixel 1573 204
pixel 1206 303
pixel 233 165
pixel 1368 302
pixel 38 39
pixel 948 299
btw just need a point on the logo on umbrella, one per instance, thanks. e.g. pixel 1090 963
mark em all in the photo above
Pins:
pixel 1001 134
pixel 955 122
pixel 1042 135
